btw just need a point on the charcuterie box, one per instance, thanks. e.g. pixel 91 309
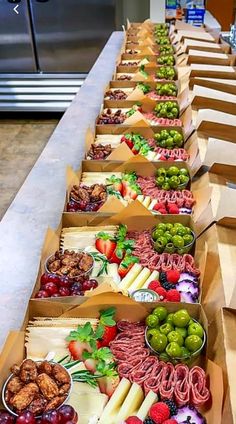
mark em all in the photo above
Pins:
pixel 204 46
pixel 34 342
pixel 133 88
pixel 194 56
pixel 80 231
pixel 113 181
pixel 149 73
pixel 225 85
pixel 194 35
pixel 106 144
pixel 203 98
pixel 214 123
pixel 212 71
pixel 223 352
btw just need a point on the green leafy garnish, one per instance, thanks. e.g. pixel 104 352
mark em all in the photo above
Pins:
pixel 143 72
pixel 103 354
pixel 144 87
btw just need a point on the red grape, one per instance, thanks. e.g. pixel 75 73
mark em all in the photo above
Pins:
pixel 50 287
pixel 50 278
pixel 42 294
pixel 64 291
pixel 51 417
pixel 26 417
pixel 76 286
pixel 65 282
pixel 6 417
pixel 90 284
pixel 56 295
pixel 68 413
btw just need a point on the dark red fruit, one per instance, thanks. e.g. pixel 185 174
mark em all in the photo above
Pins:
pixel 51 288
pixel 64 291
pixel 76 286
pixel 56 295
pixel 65 282
pixel 67 413
pixel 26 417
pixel 90 284
pixel 52 417
pixel 50 278
pixel 6 417
pixel 42 294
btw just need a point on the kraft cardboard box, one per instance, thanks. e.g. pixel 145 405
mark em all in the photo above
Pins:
pixel 204 46
pixel 14 351
pixel 195 56
pixel 212 71
pixel 225 85
pixel 203 97
pixel 223 352
pixel 214 123
pixel 148 74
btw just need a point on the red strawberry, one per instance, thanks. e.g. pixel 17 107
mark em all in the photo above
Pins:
pixel 173 295
pixel 173 276
pixel 108 327
pixel 128 140
pixel 170 421
pixel 126 265
pixel 109 378
pixel 105 244
pixel 162 292
pixel 133 420
pixel 92 359
pixel 159 412
pixel 130 191
pixel 115 182
pixel 135 151
pixel 153 285
pixel 123 247
pixel 81 340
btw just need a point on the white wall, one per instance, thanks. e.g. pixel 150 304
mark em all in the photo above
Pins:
pixel 157 10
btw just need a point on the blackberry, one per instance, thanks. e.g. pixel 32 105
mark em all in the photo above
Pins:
pixel 162 277
pixel 167 286
pixel 172 406
pixel 148 421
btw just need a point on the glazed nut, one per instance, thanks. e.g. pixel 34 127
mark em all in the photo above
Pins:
pixel 45 367
pixel 55 403
pixel 15 385
pixel 47 386
pixel 24 397
pixel 54 266
pixel 28 371
pixel 60 374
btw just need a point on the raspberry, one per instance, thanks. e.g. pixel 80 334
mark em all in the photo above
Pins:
pixel 170 421
pixel 173 276
pixel 163 211
pixel 162 292
pixel 162 158
pixel 134 420
pixel 172 406
pixel 158 206
pixel 173 209
pixel 159 412
pixel 153 285
pixel 173 296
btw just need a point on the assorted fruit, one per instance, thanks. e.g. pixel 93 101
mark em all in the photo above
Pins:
pixel 174 336
pixel 173 238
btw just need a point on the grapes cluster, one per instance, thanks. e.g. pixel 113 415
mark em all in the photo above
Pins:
pixel 64 415
pixel 56 286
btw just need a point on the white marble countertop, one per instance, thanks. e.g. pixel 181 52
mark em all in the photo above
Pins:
pixel 40 201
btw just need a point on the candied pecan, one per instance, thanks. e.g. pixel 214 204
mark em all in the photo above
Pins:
pixel 28 371
pixel 60 374
pixel 86 262
pixel 69 261
pixel 54 403
pixel 64 270
pixel 103 196
pixel 14 384
pixel 83 194
pixel 24 397
pixel 47 386
pixel 64 390
pixel 68 252
pixel 54 266
pixel 38 405
pixel 15 369
pixel 73 273
pixel 45 367
pixel 97 190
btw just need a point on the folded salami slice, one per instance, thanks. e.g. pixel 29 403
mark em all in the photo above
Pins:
pixel 140 374
pixel 198 391
pixel 181 385
pixel 154 381
pixel 167 383
pixel 125 368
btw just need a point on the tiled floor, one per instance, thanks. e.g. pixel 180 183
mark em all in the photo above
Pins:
pixel 21 142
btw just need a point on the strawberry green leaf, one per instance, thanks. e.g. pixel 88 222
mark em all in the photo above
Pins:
pixel 99 332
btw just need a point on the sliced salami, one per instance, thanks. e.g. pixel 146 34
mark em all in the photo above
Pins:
pixel 181 385
pixel 199 393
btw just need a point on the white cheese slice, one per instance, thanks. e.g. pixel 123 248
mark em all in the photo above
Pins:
pixel 131 404
pixel 150 399
pixel 152 204
pixel 112 271
pixel 130 277
pixel 154 276
pixel 87 404
pixel 146 201
pixel 112 408
pixel 140 280
pixel 140 198
pixel 150 155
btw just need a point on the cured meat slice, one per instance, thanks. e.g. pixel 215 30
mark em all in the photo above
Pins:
pixel 199 393
pixel 167 383
pixel 126 368
pixel 154 381
pixel 140 375
pixel 181 385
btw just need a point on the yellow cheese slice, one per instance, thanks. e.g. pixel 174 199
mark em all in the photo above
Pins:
pixel 150 399
pixel 140 280
pixel 152 204
pixel 151 155
pixel 87 405
pixel 130 276
pixel 140 198
pixel 146 201
pixel 112 408
pixel 131 404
